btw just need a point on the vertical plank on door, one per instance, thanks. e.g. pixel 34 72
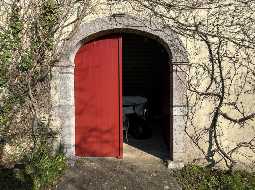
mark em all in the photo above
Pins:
pixel 98 97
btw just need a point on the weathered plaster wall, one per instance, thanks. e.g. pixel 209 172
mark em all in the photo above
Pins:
pixel 230 134
pixel 106 18
pixel 103 17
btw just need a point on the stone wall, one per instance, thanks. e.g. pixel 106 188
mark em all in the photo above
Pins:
pixel 115 18
pixel 63 83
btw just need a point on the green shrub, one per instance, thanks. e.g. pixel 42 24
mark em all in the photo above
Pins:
pixel 45 168
pixel 196 177
pixel 38 171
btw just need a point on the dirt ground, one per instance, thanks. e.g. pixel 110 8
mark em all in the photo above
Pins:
pixel 141 168
pixel 114 174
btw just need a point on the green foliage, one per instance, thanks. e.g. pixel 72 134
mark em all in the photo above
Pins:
pixel 48 17
pixel 15 24
pixel 39 171
pixel 48 21
pixel 26 46
pixel 15 60
pixel 26 62
pixel 41 39
pixel 6 46
pixel 45 168
pixel 7 106
pixel 10 41
pixel 199 178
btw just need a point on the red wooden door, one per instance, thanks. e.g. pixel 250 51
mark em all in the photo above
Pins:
pixel 98 98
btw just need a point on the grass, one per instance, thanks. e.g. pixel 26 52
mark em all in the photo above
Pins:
pixel 194 177
pixel 39 170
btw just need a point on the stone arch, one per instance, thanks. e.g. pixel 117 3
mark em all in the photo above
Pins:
pixel 63 75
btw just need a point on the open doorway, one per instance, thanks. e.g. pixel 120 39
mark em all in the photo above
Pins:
pixel 129 68
pixel 146 75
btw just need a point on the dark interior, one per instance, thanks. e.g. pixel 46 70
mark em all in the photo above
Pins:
pixel 146 73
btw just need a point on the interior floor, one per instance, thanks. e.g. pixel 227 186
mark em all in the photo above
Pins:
pixel 154 146
pixel 146 74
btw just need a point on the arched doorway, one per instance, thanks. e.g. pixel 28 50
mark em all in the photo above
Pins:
pixel 108 70
pixel 63 107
